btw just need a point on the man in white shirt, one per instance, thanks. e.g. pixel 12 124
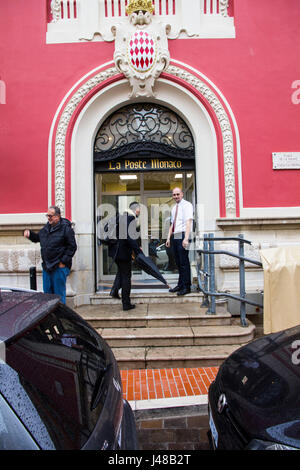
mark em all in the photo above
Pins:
pixel 178 238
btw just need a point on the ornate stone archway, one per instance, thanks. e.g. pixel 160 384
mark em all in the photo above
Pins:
pixel 203 90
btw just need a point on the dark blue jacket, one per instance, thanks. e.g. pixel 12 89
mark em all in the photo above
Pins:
pixel 58 244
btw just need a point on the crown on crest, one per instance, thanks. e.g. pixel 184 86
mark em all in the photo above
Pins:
pixel 139 5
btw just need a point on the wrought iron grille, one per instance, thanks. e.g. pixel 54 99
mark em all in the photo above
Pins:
pixel 142 128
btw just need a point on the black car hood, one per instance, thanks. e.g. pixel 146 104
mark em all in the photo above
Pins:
pixel 261 382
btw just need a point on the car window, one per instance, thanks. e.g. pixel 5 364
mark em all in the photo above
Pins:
pixel 13 435
pixel 15 393
pixel 60 363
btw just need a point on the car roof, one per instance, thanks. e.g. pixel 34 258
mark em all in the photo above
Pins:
pixel 21 310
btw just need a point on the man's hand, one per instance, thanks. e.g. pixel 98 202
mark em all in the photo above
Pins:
pixel 61 265
pixel 26 233
pixel 168 243
pixel 185 243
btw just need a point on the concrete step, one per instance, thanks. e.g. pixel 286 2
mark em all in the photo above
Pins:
pixel 177 336
pixel 158 335
pixel 170 357
pixel 152 315
pixel 140 297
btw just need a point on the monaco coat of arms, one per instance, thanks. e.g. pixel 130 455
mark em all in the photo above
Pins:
pixel 141 48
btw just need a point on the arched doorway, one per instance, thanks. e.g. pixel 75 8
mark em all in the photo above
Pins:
pixel 141 153
pixel 97 96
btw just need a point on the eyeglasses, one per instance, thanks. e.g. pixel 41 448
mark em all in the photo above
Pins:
pixel 49 216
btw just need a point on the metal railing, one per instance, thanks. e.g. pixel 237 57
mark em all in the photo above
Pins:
pixel 206 276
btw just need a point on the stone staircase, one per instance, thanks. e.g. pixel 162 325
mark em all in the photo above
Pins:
pixel 166 331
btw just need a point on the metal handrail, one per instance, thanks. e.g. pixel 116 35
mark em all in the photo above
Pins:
pixel 208 286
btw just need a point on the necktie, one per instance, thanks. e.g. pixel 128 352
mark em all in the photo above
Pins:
pixel 174 223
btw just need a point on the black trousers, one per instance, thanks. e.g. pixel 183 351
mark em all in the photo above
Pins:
pixel 117 283
pixel 181 256
pixel 124 280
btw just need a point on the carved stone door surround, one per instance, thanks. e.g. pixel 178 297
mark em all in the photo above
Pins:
pixel 203 89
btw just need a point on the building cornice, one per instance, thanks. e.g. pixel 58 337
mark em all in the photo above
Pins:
pixel 256 222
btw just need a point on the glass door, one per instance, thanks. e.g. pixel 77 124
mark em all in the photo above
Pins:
pixel 153 190
pixel 158 209
pixel 113 195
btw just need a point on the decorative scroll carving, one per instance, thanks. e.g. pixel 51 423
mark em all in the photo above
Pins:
pixel 223 5
pixel 55 10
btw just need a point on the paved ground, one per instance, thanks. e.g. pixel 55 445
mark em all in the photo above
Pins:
pixel 170 406
pixel 166 384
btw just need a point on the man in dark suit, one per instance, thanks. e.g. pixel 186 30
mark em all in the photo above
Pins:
pixel 121 252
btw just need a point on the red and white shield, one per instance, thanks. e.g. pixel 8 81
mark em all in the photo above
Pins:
pixel 141 51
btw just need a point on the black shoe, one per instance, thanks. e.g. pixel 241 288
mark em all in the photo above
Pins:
pixel 114 294
pixel 128 307
pixel 175 289
pixel 184 291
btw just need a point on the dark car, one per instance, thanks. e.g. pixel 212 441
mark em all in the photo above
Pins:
pixel 254 402
pixel 60 385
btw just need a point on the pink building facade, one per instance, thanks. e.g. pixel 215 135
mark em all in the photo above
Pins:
pixel 228 78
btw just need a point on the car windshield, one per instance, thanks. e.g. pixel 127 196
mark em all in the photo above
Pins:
pixel 50 377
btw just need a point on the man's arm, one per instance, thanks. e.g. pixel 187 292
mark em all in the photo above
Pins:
pixel 71 247
pixel 132 233
pixel 189 213
pixel 168 242
pixel 188 227
pixel 32 236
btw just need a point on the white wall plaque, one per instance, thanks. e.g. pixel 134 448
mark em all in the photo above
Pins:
pixel 286 160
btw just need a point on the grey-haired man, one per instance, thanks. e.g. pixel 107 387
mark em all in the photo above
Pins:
pixel 58 246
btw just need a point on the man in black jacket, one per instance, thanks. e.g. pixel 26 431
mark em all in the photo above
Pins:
pixel 58 246
pixel 121 252
pixel 134 211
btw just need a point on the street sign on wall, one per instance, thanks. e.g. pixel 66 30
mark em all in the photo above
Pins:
pixel 286 160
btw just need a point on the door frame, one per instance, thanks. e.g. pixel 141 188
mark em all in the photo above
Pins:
pixel 147 195
pixel 143 196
